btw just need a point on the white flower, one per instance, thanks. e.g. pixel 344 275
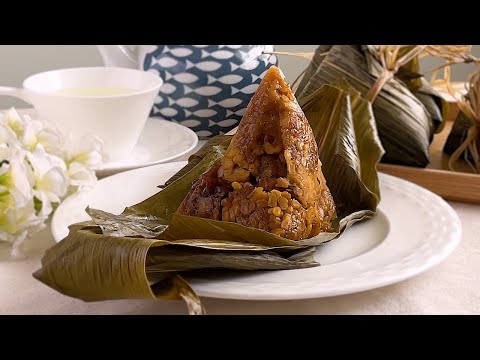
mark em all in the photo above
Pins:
pixel 39 166
pixel 15 177
pixel 51 179
pixel 17 207
pixel 46 134
pixel 18 216
pixel 81 159
pixel 81 175
pixel 31 130
pixel 86 150
pixel 7 135
pixel 15 122
pixel 51 139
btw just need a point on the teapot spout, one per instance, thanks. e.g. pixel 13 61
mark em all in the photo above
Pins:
pixel 118 56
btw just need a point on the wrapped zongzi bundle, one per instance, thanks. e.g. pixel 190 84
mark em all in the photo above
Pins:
pixel 270 177
pixel 407 110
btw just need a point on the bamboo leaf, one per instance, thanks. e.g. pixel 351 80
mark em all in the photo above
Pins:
pixel 318 57
pixel 410 72
pixel 94 267
pixel 173 259
pixel 164 203
pixel 435 104
pixel 221 141
pixel 186 227
pixel 353 149
pixel 130 224
pixel 403 122
pixel 175 287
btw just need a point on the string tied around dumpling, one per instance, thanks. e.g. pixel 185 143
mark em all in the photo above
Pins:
pixel 391 58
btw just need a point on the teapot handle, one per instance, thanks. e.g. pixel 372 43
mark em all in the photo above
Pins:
pixel 118 56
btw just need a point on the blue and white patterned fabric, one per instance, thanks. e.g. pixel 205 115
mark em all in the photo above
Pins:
pixel 207 87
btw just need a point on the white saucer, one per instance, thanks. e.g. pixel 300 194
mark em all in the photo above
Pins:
pixel 161 141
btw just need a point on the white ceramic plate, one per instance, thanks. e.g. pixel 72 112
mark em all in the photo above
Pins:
pixel 413 230
pixel 161 141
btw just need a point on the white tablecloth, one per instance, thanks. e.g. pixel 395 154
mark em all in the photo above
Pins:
pixel 453 287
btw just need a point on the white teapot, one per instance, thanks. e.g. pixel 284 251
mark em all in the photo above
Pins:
pixel 206 87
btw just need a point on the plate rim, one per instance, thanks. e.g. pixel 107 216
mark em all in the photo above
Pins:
pixel 454 239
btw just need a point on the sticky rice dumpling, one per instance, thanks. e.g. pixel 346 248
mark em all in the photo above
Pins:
pixel 270 177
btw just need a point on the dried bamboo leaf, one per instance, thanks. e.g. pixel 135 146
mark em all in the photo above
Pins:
pixel 164 203
pixel 356 150
pixel 435 104
pixel 318 57
pixel 227 245
pixel 173 259
pixel 189 227
pixel 410 72
pixel 175 287
pixel 404 124
pixel 469 149
pixel 94 267
pixel 221 141
pixel 458 134
pixel 130 224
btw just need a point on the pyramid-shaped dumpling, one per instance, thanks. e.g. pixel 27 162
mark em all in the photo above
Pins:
pixel 270 177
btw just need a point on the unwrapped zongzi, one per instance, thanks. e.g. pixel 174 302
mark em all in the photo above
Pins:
pixel 270 177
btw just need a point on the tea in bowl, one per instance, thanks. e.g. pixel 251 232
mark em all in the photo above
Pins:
pixel 110 103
